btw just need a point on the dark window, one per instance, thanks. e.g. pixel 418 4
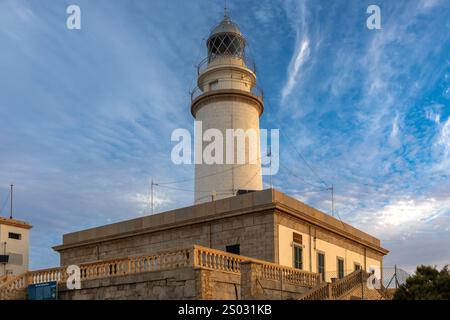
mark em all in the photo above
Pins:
pixel 298 257
pixel 235 249
pixel 321 265
pixel 357 267
pixel 16 236
pixel 340 267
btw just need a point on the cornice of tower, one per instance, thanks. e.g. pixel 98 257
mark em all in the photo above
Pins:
pixel 227 94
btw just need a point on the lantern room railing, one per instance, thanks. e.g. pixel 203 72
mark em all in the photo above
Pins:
pixel 256 91
pixel 245 61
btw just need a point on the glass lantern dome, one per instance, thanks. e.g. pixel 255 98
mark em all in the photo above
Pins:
pixel 226 40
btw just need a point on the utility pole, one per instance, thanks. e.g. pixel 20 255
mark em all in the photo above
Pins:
pixel 395 275
pixel 332 200
pixel 11 202
pixel 4 253
pixel 269 154
pixel 151 191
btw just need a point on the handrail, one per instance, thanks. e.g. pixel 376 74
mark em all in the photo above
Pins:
pixel 102 269
pixel 336 289
pixel 4 278
pixel 194 256
pixel 320 292
pixel 342 286
pixel 220 260
pixel 8 288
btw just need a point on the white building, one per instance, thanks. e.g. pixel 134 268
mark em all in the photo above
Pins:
pixel 14 244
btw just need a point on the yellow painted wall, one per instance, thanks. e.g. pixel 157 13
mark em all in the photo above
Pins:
pixel 332 252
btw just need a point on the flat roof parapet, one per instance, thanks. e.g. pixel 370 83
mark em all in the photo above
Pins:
pixel 237 205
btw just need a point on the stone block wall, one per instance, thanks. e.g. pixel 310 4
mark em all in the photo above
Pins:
pixel 254 287
pixel 177 284
pixel 254 232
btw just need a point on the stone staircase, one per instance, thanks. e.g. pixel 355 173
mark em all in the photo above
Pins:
pixel 351 287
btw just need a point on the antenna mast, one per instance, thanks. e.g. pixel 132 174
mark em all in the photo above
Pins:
pixel 11 202
pixel 226 11
pixel 332 200
pixel 151 188
pixel 269 154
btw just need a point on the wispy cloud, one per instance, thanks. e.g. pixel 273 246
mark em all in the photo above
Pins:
pixel 300 58
pixel 297 11
pixel 362 121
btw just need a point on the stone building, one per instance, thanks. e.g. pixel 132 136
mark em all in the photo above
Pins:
pixel 266 225
pixel 257 244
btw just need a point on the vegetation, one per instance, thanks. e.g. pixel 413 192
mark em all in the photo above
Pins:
pixel 427 283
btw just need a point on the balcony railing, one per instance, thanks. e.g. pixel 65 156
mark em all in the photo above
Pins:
pixel 243 61
pixel 256 90
pixel 195 256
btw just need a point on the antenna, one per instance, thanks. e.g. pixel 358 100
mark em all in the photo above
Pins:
pixel 151 188
pixel 332 199
pixel 11 203
pixel 226 10
pixel 269 154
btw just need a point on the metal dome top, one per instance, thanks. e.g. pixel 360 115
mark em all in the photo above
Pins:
pixel 226 26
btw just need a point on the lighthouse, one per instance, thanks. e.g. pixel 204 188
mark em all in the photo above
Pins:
pixel 227 100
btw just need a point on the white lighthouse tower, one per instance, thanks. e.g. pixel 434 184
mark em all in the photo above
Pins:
pixel 227 97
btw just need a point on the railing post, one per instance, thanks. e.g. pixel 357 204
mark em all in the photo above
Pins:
pixel 329 291
pixel 362 285
pixel 195 256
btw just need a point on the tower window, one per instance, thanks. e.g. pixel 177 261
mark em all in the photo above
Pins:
pixel 15 236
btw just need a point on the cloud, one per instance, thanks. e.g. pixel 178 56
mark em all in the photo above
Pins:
pixel 300 58
pixel 362 124
pixel 411 211
pixel 443 139
pixel 433 113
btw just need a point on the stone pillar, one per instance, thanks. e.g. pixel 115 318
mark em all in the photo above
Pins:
pixel 203 284
pixel 250 288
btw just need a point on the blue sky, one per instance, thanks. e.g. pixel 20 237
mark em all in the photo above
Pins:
pixel 86 116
